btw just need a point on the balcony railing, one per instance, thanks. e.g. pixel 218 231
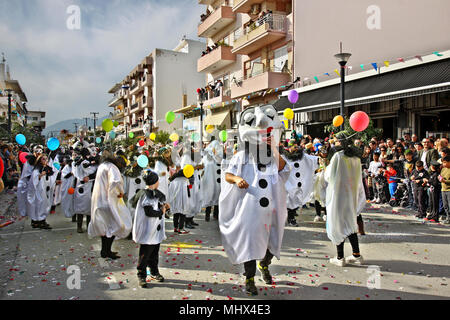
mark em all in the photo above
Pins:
pixel 134 106
pixel 216 59
pixel 216 21
pixel 134 86
pixel 268 29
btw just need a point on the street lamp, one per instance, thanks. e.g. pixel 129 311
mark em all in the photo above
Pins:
pixel 200 101
pixel 9 112
pixel 342 58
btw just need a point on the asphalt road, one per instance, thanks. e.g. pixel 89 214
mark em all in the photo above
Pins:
pixel 404 259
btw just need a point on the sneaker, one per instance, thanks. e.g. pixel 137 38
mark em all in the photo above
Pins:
pixel 182 231
pixel 143 282
pixel 318 219
pixel 157 277
pixel 265 274
pixel 44 225
pixel 337 262
pixel 447 221
pixel 293 223
pixel 432 220
pixel 80 230
pixel 194 223
pixel 175 230
pixel 354 260
pixel 250 287
pixel 189 226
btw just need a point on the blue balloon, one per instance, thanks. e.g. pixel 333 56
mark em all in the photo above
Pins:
pixel 57 165
pixel 53 144
pixel 112 134
pixel 98 140
pixel 20 139
pixel 142 161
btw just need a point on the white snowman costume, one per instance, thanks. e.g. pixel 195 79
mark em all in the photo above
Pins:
pixel 83 190
pixel 300 183
pixel 22 188
pixel 252 220
pixel 194 194
pixel 211 179
pixel 67 179
pixel 132 187
pixel 38 205
pixel 163 173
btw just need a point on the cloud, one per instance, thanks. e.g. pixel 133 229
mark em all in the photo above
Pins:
pixel 68 73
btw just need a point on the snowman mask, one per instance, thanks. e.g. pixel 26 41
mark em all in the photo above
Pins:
pixel 256 124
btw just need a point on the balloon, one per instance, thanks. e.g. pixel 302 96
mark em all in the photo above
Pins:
pixel 53 144
pixel 359 121
pixel 20 139
pixel 115 123
pixel 22 157
pixel 107 125
pixel 71 191
pixel 131 135
pixel 142 161
pixel 112 135
pixel 293 96
pixel 153 136
pixel 170 117
pixel 338 121
pixel 188 171
pixel 224 135
pixel 209 128
pixel 57 165
pixel 175 143
pixel 289 114
pixel 174 137
pixel 142 143
pixel 98 140
pixel 286 124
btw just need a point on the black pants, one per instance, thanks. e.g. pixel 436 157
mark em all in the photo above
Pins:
pixel 434 204
pixel 107 244
pixel 80 220
pixel 250 266
pixel 319 208
pixel 421 196
pixel 291 214
pixel 148 257
pixel 215 213
pixel 353 241
pixel 178 220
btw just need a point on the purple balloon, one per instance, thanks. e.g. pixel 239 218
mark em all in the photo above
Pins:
pixel 293 96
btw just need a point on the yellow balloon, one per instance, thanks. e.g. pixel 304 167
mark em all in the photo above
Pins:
pixel 289 114
pixel 152 136
pixel 338 121
pixel 174 137
pixel 286 124
pixel 209 128
pixel 188 171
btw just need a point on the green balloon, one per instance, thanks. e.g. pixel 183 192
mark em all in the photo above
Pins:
pixel 224 135
pixel 170 117
pixel 107 125
pixel 116 123
pixel 131 135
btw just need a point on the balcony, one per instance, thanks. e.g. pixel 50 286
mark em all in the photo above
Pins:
pixel 245 6
pixel 260 34
pixel 218 20
pixel 217 97
pixel 206 2
pixel 118 115
pixel 148 81
pixel 268 79
pixel 135 88
pixel 216 60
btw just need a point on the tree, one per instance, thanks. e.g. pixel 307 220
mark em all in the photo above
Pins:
pixel 162 137
pixel 365 136
pixel 32 135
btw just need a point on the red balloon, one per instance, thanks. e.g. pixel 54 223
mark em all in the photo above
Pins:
pixel 71 191
pixel 359 121
pixel 142 143
pixel 22 157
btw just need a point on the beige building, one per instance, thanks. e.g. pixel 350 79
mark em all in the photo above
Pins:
pixel 408 41
pixel 36 119
pixel 248 54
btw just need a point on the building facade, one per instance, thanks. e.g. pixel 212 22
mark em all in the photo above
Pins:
pixel 398 71
pixel 36 119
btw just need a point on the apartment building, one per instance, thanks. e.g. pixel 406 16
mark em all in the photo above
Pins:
pixel 36 119
pixel 398 71
pixel 155 86
pixel 248 54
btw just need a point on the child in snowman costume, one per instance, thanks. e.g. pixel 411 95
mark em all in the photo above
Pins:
pixel 148 227
pixel 252 203
pixel 300 182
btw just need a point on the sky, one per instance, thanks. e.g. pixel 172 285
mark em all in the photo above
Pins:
pixel 68 73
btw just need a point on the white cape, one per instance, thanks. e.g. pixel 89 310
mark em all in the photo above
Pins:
pixel 194 198
pixel 22 188
pixel 66 198
pixel 345 196
pixel 252 220
pixel 109 216
pixel 148 230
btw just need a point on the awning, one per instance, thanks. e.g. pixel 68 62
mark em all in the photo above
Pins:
pixel 217 119
pixel 409 82
pixel 186 109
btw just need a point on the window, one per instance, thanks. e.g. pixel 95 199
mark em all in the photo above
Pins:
pixel 280 59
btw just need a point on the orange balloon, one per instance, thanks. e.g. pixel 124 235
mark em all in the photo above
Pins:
pixel 338 121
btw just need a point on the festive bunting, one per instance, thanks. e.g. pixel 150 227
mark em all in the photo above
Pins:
pixel 401 60
pixel 326 74
pixel 337 72
pixel 419 57
pixel 386 63
pixel 438 54
pixel 375 66
pixel 362 66
pixel 317 79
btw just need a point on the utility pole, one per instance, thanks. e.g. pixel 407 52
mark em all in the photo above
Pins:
pixel 95 125
pixel 76 128
pixel 9 112
pixel 86 119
